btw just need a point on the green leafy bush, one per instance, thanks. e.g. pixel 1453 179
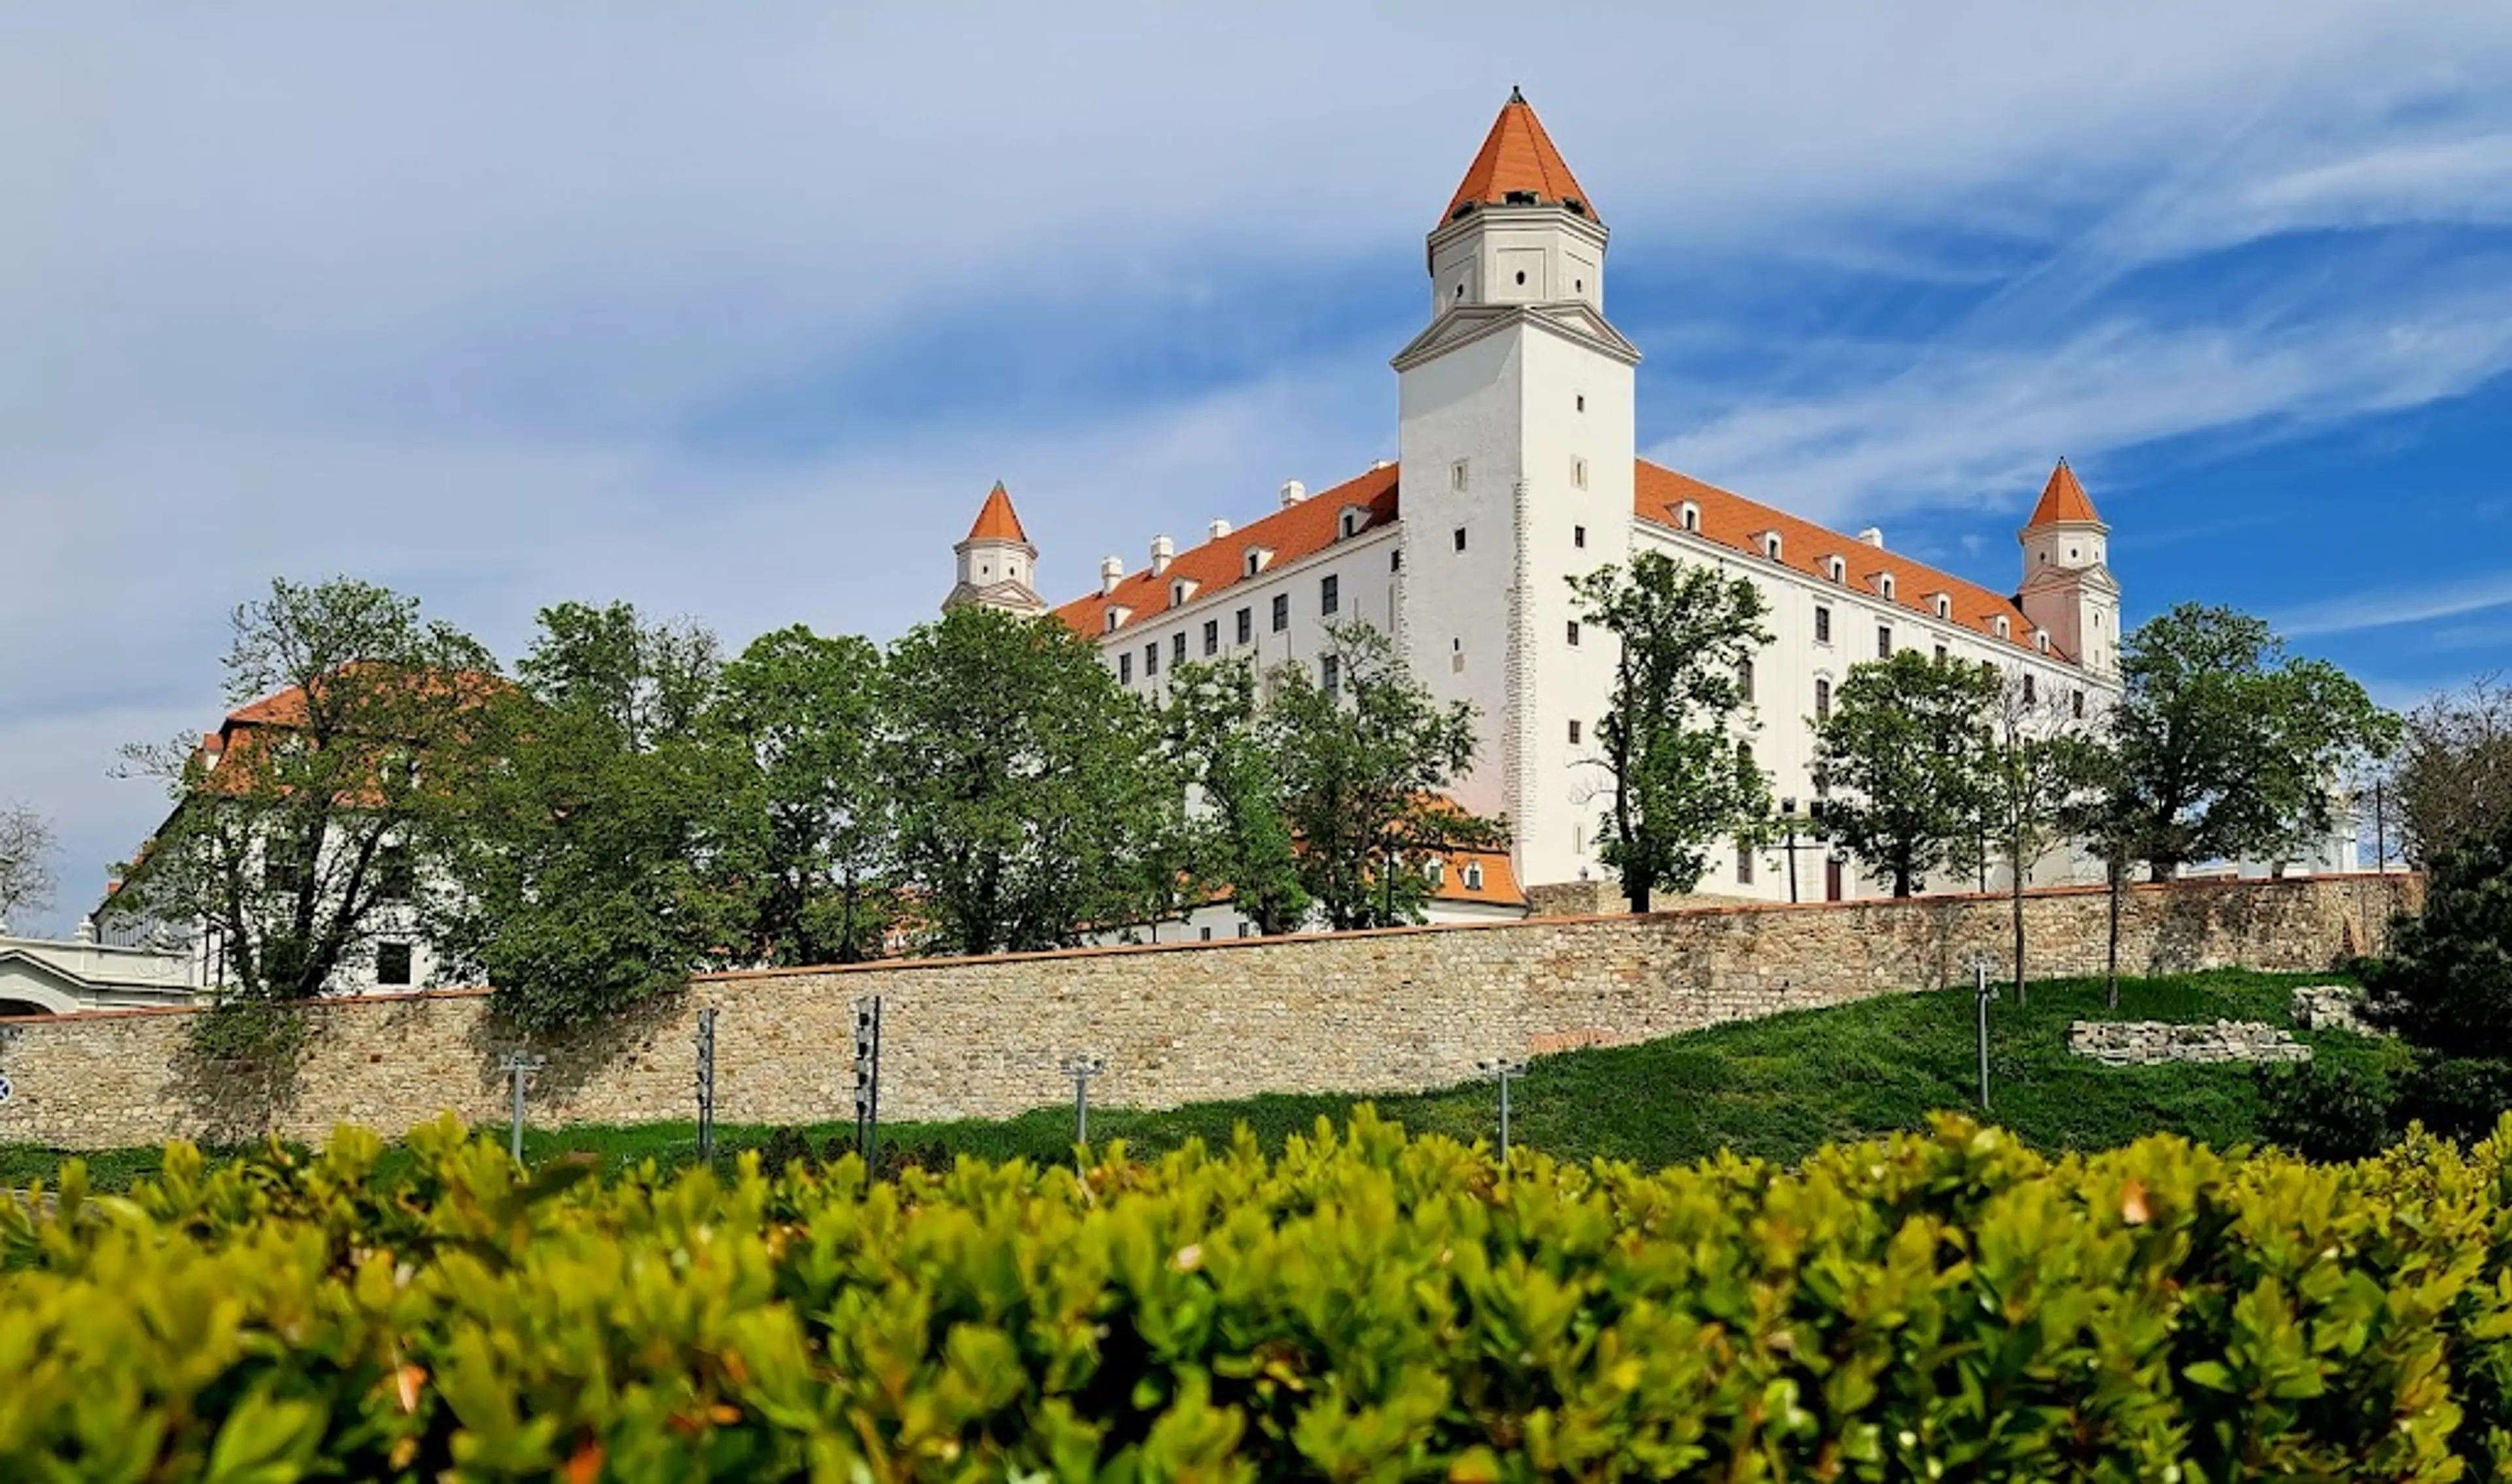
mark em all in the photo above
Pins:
pixel 2323 1110
pixel 1364 1306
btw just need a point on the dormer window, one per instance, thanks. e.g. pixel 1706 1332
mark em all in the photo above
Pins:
pixel 2041 640
pixel 2005 630
pixel 1436 870
pixel 1517 198
pixel 1257 556
pixel 1771 544
pixel 1473 876
pixel 1180 590
pixel 1354 516
pixel 1117 618
pixel 1945 606
pixel 1689 516
pixel 1884 583
pixel 1835 568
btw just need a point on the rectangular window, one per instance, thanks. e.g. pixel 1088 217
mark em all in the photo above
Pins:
pixel 2031 694
pixel 1456 476
pixel 1823 700
pixel 396 877
pixel 1177 647
pixel 1579 536
pixel 1247 625
pixel 1745 678
pixel 1395 560
pixel 1247 929
pixel 392 964
pixel 1329 594
pixel 2076 704
pixel 1207 935
pixel 1461 538
pixel 1574 634
pixel 1125 669
pixel 1330 674
pixel 1212 636
pixel 1883 640
pixel 1574 731
pixel 1941 654
pixel 1822 624
pixel 1744 865
pixel 1151 660
pixel 1579 473
pixel 1282 611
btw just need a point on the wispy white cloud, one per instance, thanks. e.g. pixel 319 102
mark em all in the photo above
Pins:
pixel 2389 607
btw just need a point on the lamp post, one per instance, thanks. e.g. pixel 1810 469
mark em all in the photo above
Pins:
pixel 1504 1070
pixel 1789 811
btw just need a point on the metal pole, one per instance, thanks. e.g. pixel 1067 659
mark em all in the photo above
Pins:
pixel 871 1133
pixel 1504 1121
pixel 1082 1068
pixel 518 1067
pixel 1980 989
pixel 1502 1070
pixel 2381 831
pixel 1792 860
pixel 706 1085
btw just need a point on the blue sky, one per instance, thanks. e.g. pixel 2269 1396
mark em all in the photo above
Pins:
pixel 736 312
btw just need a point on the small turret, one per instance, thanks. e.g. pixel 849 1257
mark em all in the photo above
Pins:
pixel 2068 589
pixel 997 563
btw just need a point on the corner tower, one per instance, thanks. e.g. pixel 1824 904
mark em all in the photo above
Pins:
pixel 997 563
pixel 1517 444
pixel 2067 586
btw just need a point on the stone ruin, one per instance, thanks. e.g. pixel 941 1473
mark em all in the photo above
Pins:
pixel 2155 1042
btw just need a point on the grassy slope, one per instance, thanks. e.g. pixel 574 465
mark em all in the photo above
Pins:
pixel 1773 1087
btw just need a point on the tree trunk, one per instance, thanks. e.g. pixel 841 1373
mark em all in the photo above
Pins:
pixel 2015 897
pixel 1901 878
pixel 2119 876
pixel 1635 890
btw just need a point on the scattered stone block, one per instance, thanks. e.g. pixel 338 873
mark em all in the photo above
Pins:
pixel 2332 1007
pixel 2156 1043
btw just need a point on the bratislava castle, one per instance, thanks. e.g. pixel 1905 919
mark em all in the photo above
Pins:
pixel 1517 470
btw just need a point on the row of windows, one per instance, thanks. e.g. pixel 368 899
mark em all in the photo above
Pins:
pixel 1459 476
pixel 1244 630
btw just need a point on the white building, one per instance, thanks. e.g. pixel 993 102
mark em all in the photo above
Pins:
pixel 1517 469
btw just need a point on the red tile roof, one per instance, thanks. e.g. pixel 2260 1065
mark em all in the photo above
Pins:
pixel 2063 499
pixel 1730 520
pixel 1727 518
pixel 998 522
pixel 1517 155
pixel 1290 534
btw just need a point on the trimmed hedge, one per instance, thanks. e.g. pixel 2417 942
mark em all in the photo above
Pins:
pixel 1944 1305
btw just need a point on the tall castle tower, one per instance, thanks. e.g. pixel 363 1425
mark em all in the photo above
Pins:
pixel 2068 589
pixel 1517 444
pixel 997 563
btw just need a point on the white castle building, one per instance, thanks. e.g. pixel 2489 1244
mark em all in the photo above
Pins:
pixel 1517 470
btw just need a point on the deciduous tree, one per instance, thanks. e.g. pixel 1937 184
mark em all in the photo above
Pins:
pixel 332 804
pixel 26 847
pixel 598 836
pixel 1367 761
pixel 1231 752
pixel 2040 772
pixel 2226 746
pixel 1675 745
pixel 1034 801
pixel 1903 762
pixel 808 835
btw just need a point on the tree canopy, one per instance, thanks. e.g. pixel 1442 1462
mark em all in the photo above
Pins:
pixel 1675 745
pixel 1033 798
pixel 1238 837
pixel 2225 746
pixel 1902 763
pixel 26 846
pixel 327 811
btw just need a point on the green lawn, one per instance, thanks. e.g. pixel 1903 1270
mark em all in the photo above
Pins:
pixel 1773 1087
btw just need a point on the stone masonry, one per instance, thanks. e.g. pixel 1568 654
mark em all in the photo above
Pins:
pixel 2153 1042
pixel 1392 1010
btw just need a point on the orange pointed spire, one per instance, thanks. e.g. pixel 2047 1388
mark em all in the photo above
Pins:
pixel 998 522
pixel 2063 499
pixel 1518 159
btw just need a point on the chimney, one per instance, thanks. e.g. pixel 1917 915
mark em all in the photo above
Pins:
pixel 1110 572
pixel 1216 530
pixel 1293 492
pixel 1872 535
pixel 1162 549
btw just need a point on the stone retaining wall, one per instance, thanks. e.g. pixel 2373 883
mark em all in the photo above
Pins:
pixel 1399 1009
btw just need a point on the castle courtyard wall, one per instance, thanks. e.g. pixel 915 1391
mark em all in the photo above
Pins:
pixel 1399 1009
